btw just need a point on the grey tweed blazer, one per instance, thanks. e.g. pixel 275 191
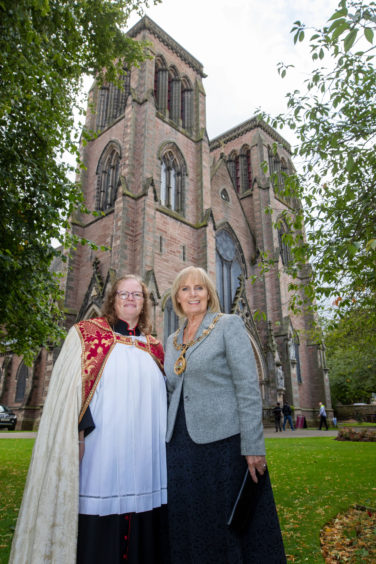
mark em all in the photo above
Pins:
pixel 219 387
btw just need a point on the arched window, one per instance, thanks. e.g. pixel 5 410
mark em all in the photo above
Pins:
pixel 233 168
pixel 283 173
pixel 284 248
pixel 112 101
pixel 108 177
pixel 174 95
pixel 275 169
pixel 22 375
pixel 161 84
pixel 228 267
pixel 172 180
pixel 171 320
pixel 102 107
pixel 245 169
pixel 187 104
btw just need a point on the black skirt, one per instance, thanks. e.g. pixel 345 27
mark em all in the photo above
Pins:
pixel 203 481
pixel 134 538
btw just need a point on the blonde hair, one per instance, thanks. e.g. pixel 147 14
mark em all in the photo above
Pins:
pixel 109 312
pixel 201 275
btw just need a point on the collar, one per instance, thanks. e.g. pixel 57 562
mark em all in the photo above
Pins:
pixel 122 327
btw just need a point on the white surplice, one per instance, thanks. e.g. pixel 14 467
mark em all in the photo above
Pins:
pixel 47 524
pixel 124 466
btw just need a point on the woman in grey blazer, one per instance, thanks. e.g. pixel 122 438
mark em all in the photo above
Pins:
pixel 214 433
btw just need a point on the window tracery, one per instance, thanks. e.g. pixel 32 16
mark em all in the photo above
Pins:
pixel 108 177
pixel 228 269
pixel 233 168
pixel 161 84
pixel 173 94
pixel 172 180
pixel 284 248
pixel 187 104
pixel 245 169
pixel 112 101
pixel 22 375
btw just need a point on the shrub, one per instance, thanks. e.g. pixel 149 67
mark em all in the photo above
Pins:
pixel 363 435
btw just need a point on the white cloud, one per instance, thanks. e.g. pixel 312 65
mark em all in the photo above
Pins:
pixel 240 43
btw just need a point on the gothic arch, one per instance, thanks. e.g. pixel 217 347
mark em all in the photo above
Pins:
pixel 108 170
pixel 22 375
pixel 111 101
pixel 186 104
pixel 245 169
pixel 230 265
pixel 174 95
pixel 233 168
pixel 160 83
pixel 284 249
pixel 173 174
pixel 93 311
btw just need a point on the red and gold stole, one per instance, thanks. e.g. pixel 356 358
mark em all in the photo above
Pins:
pixel 97 340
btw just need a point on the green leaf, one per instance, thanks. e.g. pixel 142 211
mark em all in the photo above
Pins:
pixel 371 245
pixel 339 14
pixel 339 29
pixel 368 34
pixel 349 40
pixel 350 163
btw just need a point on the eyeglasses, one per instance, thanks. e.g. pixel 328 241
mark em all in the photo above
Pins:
pixel 126 295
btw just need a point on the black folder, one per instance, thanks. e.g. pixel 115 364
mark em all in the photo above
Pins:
pixel 246 502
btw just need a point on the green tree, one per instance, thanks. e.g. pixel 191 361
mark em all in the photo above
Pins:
pixel 46 47
pixel 334 121
pixel 350 349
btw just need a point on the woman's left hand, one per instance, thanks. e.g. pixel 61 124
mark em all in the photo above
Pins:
pixel 256 463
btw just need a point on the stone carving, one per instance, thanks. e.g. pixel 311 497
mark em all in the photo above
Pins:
pixel 280 377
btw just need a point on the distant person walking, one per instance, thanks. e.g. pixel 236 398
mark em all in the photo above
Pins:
pixel 277 412
pixel 286 410
pixel 322 414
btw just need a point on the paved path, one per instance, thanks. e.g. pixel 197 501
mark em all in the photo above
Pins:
pixel 268 433
pixel 18 435
pixel 298 433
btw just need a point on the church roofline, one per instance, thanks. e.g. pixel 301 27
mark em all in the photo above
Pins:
pixel 148 24
pixel 243 128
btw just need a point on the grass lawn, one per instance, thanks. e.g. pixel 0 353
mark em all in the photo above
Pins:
pixel 14 461
pixel 313 480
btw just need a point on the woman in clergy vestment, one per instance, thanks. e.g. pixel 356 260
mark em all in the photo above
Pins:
pixel 215 435
pixel 97 487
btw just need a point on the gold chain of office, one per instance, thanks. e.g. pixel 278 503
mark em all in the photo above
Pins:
pixel 181 363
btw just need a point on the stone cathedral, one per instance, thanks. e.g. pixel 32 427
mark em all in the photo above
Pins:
pixel 169 197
